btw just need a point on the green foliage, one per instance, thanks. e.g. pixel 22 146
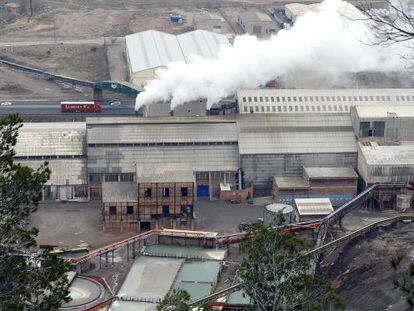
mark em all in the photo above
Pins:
pixel 177 300
pixel 396 260
pixel 276 276
pixel 30 279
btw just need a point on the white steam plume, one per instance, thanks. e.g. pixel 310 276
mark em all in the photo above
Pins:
pixel 325 41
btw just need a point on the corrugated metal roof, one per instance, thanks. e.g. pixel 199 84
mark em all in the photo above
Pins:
pixel 313 206
pixel 163 133
pixel 160 120
pixel 382 111
pixel 152 49
pixel 330 172
pixel 118 192
pixel 164 173
pixel 375 154
pixel 51 139
pixel 291 182
pixel 297 142
pixel 254 16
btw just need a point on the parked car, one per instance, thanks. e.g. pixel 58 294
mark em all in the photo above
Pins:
pixel 115 102
pixel 6 104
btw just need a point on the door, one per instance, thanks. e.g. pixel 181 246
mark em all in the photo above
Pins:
pixel 202 191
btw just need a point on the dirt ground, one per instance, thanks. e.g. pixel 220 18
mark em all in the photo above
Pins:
pixel 363 275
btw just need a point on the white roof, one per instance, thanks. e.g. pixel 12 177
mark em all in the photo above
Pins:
pixel 392 153
pixel 385 111
pixel 153 49
pixel 298 9
pixel 346 9
pixel 314 206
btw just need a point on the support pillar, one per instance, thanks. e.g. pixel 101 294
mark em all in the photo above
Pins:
pixel 106 259
pixel 113 262
pixel 133 250
pixel 127 251
pixel 240 178
pixel 97 95
pixel 210 188
pixel 100 261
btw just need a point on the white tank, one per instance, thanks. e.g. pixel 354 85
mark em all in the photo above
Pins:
pixel 271 211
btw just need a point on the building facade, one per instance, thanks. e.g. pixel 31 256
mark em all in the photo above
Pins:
pixel 257 23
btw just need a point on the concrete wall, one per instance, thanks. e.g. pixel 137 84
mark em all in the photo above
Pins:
pixel 260 169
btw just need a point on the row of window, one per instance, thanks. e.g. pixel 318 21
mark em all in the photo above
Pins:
pixel 185 209
pixel 111 177
pixel 165 192
pixel 297 108
pixel 279 99
pixel 206 143
pixel 49 157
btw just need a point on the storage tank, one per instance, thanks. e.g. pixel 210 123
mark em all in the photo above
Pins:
pixel 271 211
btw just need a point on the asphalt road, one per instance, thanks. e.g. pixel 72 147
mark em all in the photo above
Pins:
pixel 47 107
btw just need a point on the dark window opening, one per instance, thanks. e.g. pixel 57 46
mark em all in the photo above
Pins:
pixel 184 191
pixel 112 210
pixel 147 192
pixel 130 210
pixel 165 210
pixel 166 192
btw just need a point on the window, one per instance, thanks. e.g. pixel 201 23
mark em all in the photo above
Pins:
pixel 300 98
pixel 112 210
pixel 307 108
pixel 389 98
pixel 290 108
pixel 360 98
pixel 166 192
pixel 272 99
pixel 366 98
pixel 255 99
pixel 165 209
pixel 95 178
pixel 130 210
pixel 301 108
pixel 313 108
pixel 412 97
pixel 284 108
pixel 262 108
pixel 311 98
pixel 403 98
pixel 378 98
pixel 184 191
pixel 268 108
pixel 273 108
pixel 289 99
pixel 256 108
pixel 250 99
pixel 279 108
pixel 283 99
pixel 147 192
pixel 261 99
pixel 324 108
pixel 266 99
pixel 296 108
pixel 344 98
pixel 322 98
pixel 398 98
pixel 244 99
pixel 338 98
pixel 305 98
pixel 316 98
pixel 111 177
pixel 349 98
pixel 245 109
pixel 371 98
pixel 127 177
pixel 185 209
pixel 335 108
pixel 318 108
pixel 340 108
pixel 278 99
pixel 329 108
pixel 294 98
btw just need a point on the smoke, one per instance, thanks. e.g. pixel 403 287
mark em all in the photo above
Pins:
pixel 325 42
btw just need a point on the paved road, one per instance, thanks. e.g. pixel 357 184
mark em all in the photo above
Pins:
pixel 48 107
pixel 99 41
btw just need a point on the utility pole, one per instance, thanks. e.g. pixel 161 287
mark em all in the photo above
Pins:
pixel 31 7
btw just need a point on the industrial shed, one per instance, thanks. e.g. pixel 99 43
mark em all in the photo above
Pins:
pixel 210 21
pixel 207 144
pixel 384 122
pixel 257 23
pixel 280 145
pixel 318 101
pixel 63 146
pixel 314 208
pixel 386 162
pixel 150 50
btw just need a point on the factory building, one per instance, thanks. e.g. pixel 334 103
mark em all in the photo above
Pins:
pixel 257 23
pixel 150 50
pixel 210 21
pixel 318 101
pixel 295 10
pixel 386 162
pixel 208 144
pixel 63 146
pixel 282 144
pixel 120 206
pixel 339 184
pixel 383 122
pixel 165 196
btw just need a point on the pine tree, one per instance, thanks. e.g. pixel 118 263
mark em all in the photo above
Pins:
pixel 30 279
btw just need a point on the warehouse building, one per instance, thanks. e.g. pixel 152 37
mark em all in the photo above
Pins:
pixel 386 162
pixel 384 122
pixel 63 146
pixel 318 101
pixel 314 208
pixel 339 184
pixel 282 144
pixel 150 50
pixel 208 144
pixel 210 21
pixel 257 23
pixel 295 10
